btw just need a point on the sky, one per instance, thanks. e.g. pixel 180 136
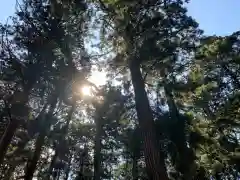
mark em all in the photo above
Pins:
pixel 219 17
pixel 7 8
pixel 215 17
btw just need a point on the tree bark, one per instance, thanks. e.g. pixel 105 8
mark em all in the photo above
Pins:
pixel 31 133
pixel 50 169
pixel 134 168
pixel 173 110
pixel 97 152
pixel 80 175
pixel 67 171
pixel 32 164
pixel 58 147
pixel 178 137
pixel 17 100
pixel 9 172
pixel 154 163
pixel 7 138
pixel 15 116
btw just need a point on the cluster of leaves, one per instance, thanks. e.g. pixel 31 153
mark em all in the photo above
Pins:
pixel 178 119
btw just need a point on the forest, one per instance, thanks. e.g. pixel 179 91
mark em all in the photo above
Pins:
pixel 169 107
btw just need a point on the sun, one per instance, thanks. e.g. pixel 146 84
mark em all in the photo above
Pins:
pixel 86 90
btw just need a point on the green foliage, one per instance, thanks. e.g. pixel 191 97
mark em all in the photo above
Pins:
pixel 191 86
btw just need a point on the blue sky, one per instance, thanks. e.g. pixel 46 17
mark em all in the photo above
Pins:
pixel 7 8
pixel 220 17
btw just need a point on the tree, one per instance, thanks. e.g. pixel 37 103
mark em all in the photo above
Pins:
pixel 143 28
pixel 169 108
pixel 33 66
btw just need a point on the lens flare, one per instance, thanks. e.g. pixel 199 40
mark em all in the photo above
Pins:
pixel 86 90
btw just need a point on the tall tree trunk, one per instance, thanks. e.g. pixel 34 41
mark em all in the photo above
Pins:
pixel 67 171
pixel 50 169
pixel 7 138
pixel 154 162
pixel 32 164
pixel 126 169
pixel 83 156
pixel 173 110
pixel 185 158
pixel 31 132
pixel 18 101
pixel 97 151
pixel 64 134
pixel 57 175
pixel 80 175
pixel 134 168
pixel 9 173
pixel 16 113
